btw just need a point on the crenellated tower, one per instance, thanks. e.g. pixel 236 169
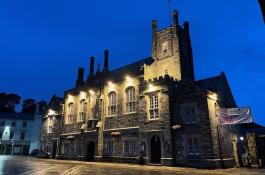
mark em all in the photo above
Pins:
pixel 171 51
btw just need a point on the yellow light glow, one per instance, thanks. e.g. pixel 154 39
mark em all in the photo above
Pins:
pixel 82 95
pixel 91 92
pixel 151 87
pixel 129 81
pixel 51 112
pixel 110 83
pixel 70 98
pixel 214 96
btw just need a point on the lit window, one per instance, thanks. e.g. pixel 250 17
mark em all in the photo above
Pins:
pixel 99 108
pixel 193 146
pixel 112 104
pixel 189 113
pixel 109 147
pixel 153 107
pixel 130 100
pixel 49 124
pixel 83 110
pixel 71 113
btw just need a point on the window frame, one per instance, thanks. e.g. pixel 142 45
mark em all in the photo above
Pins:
pixel 189 113
pixel 153 106
pixel 130 100
pixel 71 112
pixel 112 104
pixel 83 110
pixel 193 146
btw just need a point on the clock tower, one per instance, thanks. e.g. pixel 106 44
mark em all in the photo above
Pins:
pixel 171 51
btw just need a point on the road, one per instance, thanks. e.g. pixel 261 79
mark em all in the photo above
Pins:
pixel 12 165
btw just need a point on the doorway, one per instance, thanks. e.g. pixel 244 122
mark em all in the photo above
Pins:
pixel 91 147
pixel 155 150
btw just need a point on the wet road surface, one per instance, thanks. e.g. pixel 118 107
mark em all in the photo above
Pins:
pixel 12 165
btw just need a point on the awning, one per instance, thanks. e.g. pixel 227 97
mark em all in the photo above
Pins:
pixel 99 124
pixel 115 133
pixel 84 127
pixel 70 137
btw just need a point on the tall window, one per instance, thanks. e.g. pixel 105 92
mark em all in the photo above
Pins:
pixel 83 110
pixel 49 124
pixel 153 107
pixel 112 104
pixel 129 147
pixel 130 100
pixel 193 146
pixel 189 114
pixel 99 107
pixel 71 113
pixel 109 147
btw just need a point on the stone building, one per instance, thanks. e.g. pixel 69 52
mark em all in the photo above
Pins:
pixel 152 111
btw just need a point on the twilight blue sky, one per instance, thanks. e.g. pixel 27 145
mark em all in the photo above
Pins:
pixel 43 42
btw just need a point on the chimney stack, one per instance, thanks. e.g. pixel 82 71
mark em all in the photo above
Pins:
pixel 80 77
pixel 175 17
pixel 154 25
pixel 91 71
pixel 106 62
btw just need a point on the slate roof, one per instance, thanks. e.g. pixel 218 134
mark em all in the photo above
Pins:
pixel 211 83
pixel 16 116
pixel 55 103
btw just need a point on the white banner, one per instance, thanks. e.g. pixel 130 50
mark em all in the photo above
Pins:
pixel 232 116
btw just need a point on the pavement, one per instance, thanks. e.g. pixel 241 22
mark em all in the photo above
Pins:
pixel 16 165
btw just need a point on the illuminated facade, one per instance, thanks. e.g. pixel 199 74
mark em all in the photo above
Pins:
pixel 151 111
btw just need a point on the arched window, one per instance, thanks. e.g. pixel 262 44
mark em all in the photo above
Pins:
pixel 83 110
pixel 71 112
pixel 112 104
pixel 130 100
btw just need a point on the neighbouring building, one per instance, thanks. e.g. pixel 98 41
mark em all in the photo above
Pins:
pixel 152 111
pixel 19 133
pixel 262 6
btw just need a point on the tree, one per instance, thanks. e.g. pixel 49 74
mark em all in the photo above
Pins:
pixel 8 102
pixel 29 106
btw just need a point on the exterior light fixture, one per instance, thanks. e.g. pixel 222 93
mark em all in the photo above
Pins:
pixel 70 98
pixel 51 112
pixel 151 87
pixel 110 83
pixel 129 80
pixel 82 95
pixel 91 92
pixel 241 138
pixel 214 96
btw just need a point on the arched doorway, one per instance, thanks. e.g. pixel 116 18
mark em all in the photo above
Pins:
pixel 155 149
pixel 90 151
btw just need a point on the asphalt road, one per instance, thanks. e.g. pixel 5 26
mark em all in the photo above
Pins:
pixel 12 165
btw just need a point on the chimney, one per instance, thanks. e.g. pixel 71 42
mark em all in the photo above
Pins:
pixel 80 77
pixel 91 71
pixel 154 26
pixel 106 62
pixel 187 31
pixel 175 17
pixel 98 71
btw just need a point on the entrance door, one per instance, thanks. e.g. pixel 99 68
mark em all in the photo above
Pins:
pixel 155 150
pixel 90 151
pixel 54 149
